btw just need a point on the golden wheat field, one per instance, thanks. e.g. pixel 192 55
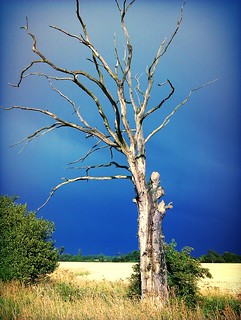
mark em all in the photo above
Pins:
pixel 226 276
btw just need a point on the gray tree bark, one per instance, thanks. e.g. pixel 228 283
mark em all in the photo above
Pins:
pixel 151 239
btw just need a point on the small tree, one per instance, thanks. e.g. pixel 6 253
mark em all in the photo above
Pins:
pixel 27 252
pixel 123 116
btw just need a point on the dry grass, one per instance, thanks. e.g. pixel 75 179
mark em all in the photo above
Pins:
pixel 71 294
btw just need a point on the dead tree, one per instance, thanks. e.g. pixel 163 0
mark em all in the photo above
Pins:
pixel 129 101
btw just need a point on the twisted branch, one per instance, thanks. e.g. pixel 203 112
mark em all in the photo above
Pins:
pixel 67 181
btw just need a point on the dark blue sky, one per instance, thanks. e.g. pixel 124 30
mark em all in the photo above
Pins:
pixel 197 154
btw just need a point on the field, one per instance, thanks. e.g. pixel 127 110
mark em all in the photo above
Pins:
pixel 98 291
pixel 226 276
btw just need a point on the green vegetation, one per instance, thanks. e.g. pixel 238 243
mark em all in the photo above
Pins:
pixel 184 272
pixel 26 250
pixel 226 257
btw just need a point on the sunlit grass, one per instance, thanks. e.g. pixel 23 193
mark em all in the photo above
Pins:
pixel 69 296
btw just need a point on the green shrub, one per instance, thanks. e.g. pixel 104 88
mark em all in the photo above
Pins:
pixel 184 272
pixel 26 249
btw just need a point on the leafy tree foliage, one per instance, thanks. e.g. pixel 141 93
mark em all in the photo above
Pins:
pixel 27 251
pixel 226 257
pixel 183 274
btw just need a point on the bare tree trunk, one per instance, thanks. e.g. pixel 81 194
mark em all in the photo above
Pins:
pixel 151 240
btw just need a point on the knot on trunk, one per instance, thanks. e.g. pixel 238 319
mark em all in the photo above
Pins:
pixel 156 190
pixel 155 179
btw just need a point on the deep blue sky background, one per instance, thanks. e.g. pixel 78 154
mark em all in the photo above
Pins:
pixel 197 154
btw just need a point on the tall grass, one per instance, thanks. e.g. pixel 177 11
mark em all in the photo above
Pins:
pixel 69 297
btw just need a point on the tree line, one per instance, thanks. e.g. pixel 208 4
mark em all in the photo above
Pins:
pixel 226 257
pixel 134 256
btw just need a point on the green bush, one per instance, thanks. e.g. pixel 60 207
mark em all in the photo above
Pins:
pixel 26 249
pixel 183 275
pixel 184 272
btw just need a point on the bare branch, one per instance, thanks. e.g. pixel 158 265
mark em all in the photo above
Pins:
pixel 124 9
pixel 67 181
pixel 89 131
pixel 99 82
pixel 151 70
pixel 86 41
pixel 81 20
pixel 44 59
pixel 87 168
pixel 167 119
pixel 150 73
pixel 126 72
pixel 92 150
pixel 85 89
pixel 176 30
pixel 67 33
pixel 76 110
pixel 138 87
pixel 162 102
pixel 128 43
pixel 37 133
pixel 116 136
pixel 23 72
pixel 118 61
